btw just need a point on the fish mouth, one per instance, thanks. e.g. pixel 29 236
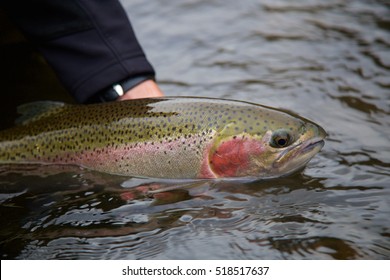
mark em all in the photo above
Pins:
pixel 312 144
pixel 298 155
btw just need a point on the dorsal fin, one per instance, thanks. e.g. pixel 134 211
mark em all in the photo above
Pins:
pixel 34 111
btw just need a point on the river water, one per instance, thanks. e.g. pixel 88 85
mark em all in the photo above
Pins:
pixel 327 60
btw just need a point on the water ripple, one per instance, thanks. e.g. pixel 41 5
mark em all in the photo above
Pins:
pixel 326 60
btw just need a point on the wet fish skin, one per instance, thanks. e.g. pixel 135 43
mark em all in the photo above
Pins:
pixel 182 137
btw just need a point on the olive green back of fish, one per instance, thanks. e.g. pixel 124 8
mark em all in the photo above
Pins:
pixel 145 119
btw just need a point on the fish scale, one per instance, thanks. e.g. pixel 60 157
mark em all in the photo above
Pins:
pixel 159 137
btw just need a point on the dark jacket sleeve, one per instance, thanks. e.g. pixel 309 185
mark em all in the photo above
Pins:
pixel 89 44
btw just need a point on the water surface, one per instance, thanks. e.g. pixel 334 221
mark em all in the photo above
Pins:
pixel 326 60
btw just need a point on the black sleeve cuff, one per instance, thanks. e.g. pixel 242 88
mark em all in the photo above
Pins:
pixel 113 92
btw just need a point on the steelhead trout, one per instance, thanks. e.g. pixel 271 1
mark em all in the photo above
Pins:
pixel 182 137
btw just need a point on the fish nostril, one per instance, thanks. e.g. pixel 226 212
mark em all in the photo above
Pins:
pixel 314 129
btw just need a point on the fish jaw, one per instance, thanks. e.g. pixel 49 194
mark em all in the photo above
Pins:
pixel 297 157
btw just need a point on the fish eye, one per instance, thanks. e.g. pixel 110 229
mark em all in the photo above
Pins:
pixel 280 139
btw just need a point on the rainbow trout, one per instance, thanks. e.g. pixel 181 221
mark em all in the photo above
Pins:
pixel 164 138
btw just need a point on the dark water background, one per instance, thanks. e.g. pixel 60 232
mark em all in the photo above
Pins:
pixel 327 60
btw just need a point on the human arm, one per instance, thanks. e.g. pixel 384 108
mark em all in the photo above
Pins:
pixel 90 44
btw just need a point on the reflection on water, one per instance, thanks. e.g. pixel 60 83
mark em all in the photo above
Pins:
pixel 92 215
pixel 327 60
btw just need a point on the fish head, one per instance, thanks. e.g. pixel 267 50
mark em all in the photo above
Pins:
pixel 273 147
pixel 290 150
